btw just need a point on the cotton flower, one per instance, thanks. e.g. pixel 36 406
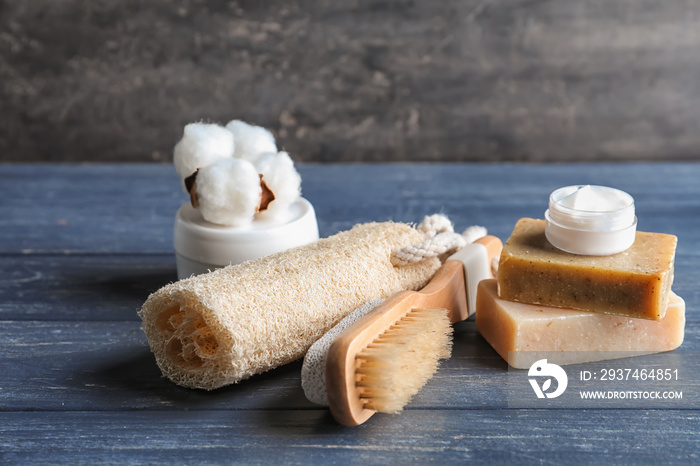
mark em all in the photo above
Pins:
pixel 251 141
pixel 228 192
pixel 280 176
pixel 201 145
pixel 234 173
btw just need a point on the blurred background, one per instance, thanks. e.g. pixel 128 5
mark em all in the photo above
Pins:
pixel 452 80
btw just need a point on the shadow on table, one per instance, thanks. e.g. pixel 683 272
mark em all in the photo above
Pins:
pixel 134 283
pixel 131 378
pixel 88 288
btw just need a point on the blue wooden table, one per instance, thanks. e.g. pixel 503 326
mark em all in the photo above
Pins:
pixel 82 246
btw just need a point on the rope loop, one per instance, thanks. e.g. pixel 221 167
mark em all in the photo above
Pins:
pixel 439 238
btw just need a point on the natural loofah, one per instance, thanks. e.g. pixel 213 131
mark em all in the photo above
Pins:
pixel 228 192
pixel 222 327
pixel 278 172
pixel 251 141
pixel 201 145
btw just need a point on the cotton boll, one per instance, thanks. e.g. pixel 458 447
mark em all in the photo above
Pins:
pixel 228 192
pixel 251 141
pixel 279 174
pixel 202 144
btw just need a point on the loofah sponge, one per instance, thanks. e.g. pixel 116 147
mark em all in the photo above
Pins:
pixel 202 144
pixel 229 192
pixel 222 327
pixel 251 141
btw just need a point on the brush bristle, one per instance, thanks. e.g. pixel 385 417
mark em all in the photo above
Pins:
pixel 397 364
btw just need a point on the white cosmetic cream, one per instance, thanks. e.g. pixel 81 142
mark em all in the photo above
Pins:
pixel 591 220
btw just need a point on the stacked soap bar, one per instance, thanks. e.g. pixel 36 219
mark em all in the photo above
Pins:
pixel 636 282
pixel 550 300
pixel 523 333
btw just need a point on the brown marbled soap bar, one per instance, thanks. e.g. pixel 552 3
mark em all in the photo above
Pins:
pixel 636 282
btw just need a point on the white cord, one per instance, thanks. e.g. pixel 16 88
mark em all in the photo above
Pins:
pixel 440 238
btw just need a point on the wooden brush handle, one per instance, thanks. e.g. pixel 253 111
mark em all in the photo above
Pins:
pixel 447 290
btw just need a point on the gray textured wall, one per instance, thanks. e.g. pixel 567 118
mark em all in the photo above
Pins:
pixel 354 81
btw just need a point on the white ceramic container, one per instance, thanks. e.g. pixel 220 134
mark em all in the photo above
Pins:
pixel 201 246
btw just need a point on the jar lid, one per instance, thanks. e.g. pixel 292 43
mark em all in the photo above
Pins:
pixel 591 220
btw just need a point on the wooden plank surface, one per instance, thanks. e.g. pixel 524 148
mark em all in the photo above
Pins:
pixel 102 366
pixel 81 247
pixel 110 287
pixel 80 286
pixel 310 436
pixel 71 209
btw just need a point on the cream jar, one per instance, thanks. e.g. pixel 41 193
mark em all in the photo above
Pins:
pixel 591 220
pixel 201 246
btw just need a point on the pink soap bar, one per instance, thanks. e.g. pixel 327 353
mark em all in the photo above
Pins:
pixel 518 331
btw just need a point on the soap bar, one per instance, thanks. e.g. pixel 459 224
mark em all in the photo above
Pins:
pixel 518 331
pixel 636 282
